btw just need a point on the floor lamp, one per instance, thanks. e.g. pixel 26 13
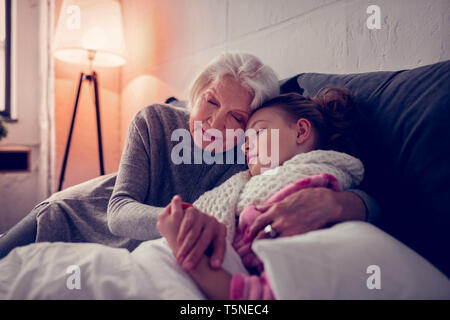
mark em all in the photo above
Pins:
pixel 92 79
pixel 89 33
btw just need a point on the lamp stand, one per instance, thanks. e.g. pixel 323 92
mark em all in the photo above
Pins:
pixel 92 78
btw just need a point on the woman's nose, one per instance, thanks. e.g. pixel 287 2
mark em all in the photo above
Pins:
pixel 217 121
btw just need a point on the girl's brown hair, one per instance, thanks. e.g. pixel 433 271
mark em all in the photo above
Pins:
pixel 332 112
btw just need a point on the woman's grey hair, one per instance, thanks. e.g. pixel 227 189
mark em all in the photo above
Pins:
pixel 246 69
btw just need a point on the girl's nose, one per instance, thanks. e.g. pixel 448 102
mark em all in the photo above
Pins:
pixel 249 144
pixel 244 147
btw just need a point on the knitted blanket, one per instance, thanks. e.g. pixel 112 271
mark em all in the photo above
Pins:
pixel 228 200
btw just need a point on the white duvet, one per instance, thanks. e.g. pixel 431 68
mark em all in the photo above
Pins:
pixel 325 264
pixel 92 271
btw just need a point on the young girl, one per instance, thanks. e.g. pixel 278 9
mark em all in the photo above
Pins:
pixel 314 139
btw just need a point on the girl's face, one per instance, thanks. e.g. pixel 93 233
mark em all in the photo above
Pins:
pixel 277 140
pixel 220 106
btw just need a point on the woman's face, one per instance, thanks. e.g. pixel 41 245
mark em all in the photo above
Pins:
pixel 220 106
pixel 274 142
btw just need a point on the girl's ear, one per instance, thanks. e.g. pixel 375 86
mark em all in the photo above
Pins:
pixel 303 127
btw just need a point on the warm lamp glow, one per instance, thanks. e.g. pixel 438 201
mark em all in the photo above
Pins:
pixel 88 26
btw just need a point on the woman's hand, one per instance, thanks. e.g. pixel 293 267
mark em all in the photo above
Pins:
pixel 307 210
pixel 197 232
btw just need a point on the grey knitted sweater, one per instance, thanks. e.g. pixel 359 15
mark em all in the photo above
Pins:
pixel 148 178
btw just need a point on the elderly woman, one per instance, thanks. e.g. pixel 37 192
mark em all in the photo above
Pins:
pixel 221 97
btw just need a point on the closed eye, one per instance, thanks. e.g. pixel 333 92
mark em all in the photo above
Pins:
pixel 213 102
pixel 260 130
pixel 239 120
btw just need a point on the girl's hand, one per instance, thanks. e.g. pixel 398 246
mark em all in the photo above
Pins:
pixel 197 232
pixel 307 210
pixel 169 222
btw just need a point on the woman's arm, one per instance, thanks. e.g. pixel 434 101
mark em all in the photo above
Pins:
pixel 373 210
pixel 303 211
pixel 127 214
pixel 308 210
pixel 197 232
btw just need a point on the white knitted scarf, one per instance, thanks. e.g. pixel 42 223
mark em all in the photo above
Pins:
pixel 227 201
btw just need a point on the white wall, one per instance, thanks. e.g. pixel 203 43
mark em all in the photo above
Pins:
pixel 20 192
pixel 292 36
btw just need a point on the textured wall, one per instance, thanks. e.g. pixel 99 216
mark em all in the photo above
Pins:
pixel 171 40
pixel 19 192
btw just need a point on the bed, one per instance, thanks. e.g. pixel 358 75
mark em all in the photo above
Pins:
pixel 404 142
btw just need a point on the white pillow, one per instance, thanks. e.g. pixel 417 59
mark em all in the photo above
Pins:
pixel 333 264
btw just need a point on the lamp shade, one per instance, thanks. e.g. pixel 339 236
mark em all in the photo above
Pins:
pixel 88 26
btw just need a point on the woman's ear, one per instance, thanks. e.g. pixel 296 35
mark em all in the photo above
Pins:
pixel 303 127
